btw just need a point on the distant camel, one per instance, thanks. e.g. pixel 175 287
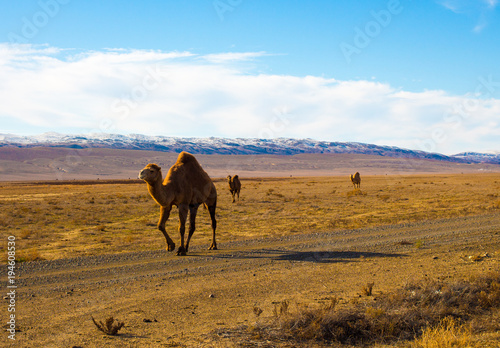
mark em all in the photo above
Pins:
pixel 186 186
pixel 356 180
pixel 234 186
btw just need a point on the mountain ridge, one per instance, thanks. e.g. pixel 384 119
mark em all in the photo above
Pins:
pixel 236 146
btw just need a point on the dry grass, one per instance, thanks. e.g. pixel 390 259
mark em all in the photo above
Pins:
pixel 56 221
pixel 436 313
pixel 448 333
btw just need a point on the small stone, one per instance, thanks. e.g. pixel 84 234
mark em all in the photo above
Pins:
pixel 211 296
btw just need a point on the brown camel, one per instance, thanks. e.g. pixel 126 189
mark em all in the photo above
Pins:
pixel 186 186
pixel 356 180
pixel 234 186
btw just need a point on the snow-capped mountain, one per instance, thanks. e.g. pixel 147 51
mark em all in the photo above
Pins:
pixel 240 146
pixel 493 157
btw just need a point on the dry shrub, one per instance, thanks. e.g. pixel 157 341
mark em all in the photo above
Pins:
pixel 31 254
pixel 100 228
pixel 26 233
pixel 419 244
pixel 417 310
pixel 281 308
pixel 460 299
pixel 110 326
pixel 257 310
pixel 496 205
pixel 128 239
pixel 384 197
pixel 367 290
pixel 448 333
pixel 355 192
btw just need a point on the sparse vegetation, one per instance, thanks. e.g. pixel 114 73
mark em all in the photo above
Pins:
pixel 313 289
pixel 31 254
pixel 435 313
pixel 70 217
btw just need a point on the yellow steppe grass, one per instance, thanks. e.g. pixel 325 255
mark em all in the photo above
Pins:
pixel 67 220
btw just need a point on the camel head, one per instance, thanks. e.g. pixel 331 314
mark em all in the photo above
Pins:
pixel 228 178
pixel 150 173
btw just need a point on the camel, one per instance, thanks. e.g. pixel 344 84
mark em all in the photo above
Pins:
pixel 186 186
pixel 234 186
pixel 356 180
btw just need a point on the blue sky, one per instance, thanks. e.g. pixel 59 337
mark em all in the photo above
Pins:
pixel 415 74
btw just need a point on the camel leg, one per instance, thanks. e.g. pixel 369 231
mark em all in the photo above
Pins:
pixel 164 214
pixel 183 212
pixel 193 209
pixel 211 210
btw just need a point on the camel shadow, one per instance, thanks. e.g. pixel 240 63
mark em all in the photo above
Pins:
pixel 323 256
pixel 127 336
pixel 331 256
pixel 130 335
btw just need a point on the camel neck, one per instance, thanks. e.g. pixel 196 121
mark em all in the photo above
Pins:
pixel 158 192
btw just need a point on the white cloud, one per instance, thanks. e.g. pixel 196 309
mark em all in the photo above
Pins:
pixel 491 3
pixel 480 10
pixel 450 5
pixel 232 56
pixel 184 94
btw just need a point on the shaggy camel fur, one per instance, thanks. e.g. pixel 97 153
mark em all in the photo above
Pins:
pixel 186 186
pixel 356 180
pixel 234 186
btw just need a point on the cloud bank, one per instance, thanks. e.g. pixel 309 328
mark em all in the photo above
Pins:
pixel 186 94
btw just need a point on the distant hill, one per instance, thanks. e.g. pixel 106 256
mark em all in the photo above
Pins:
pixel 238 146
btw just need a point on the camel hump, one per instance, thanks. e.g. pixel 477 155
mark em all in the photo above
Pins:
pixel 235 177
pixel 185 158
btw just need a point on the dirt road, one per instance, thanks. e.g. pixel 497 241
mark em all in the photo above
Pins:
pixel 170 301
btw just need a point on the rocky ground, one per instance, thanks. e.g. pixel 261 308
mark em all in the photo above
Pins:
pixel 197 300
